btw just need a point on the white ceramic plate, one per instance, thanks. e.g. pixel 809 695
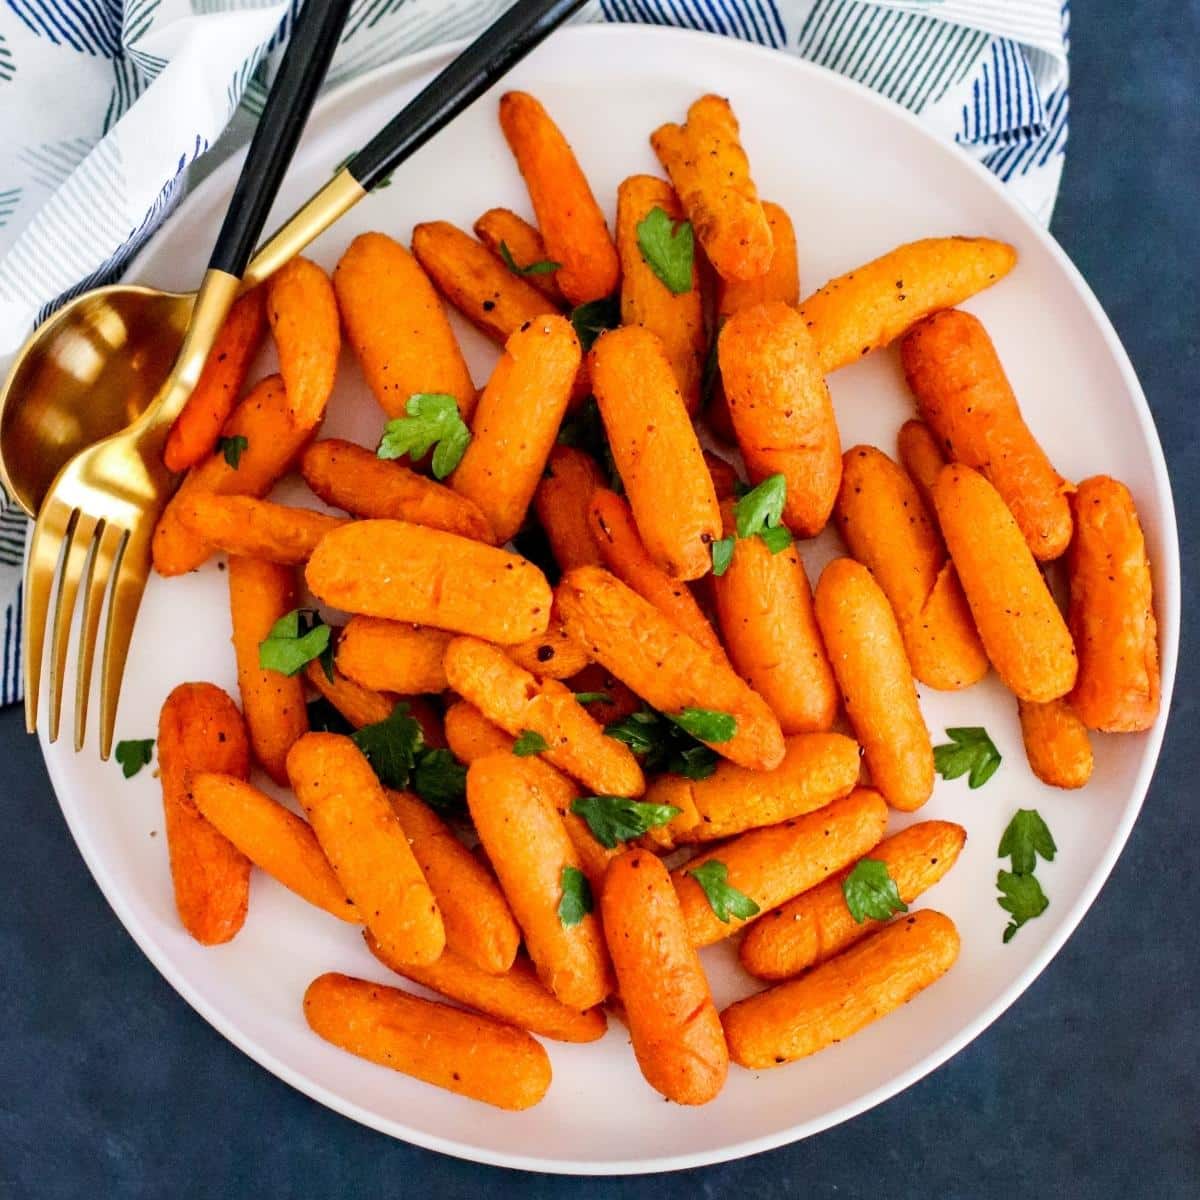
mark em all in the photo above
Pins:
pixel 858 176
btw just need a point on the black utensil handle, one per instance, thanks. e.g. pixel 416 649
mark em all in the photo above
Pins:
pixel 301 73
pixel 504 43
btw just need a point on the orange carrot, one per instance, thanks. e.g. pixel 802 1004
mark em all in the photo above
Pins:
pixel 561 503
pixel 517 421
pixel 781 410
pixel 502 227
pixel 817 924
pixel 200 729
pixel 519 703
pixel 1056 743
pixel 874 304
pixel 303 313
pixel 798 1018
pixel 359 705
pixel 669 1009
pixel 459 1051
pixel 724 475
pixel 242 525
pixel 568 216
pixel 1112 611
pixel 673 672
pixel 366 846
pixel 966 400
pixel 551 655
pixel 259 594
pixel 410 573
pixel 389 656
pixel 781 282
pixel 656 451
pixel 195 431
pixel 273 838
pixel 711 173
pixel 922 458
pixel 528 845
pixel 1019 624
pixel 395 322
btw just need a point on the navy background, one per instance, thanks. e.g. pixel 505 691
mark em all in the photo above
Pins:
pixel 111 1086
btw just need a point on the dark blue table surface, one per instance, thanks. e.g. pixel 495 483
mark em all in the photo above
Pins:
pixel 111 1086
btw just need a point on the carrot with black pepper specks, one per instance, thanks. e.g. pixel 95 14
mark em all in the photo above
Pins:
pixel 561 503
pixel 503 227
pixel 391 656
pixel 303 314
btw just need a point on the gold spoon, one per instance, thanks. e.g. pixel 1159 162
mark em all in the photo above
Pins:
pixel 94 366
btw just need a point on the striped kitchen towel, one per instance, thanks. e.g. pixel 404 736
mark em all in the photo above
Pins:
pixel 107 104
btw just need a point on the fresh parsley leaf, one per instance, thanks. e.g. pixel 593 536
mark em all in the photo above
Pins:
pixel 616 819
pixel 440 780
pixel 1026 837
pixel 712 367
pixel 776 538
pixel 969 749
pixel 391 746
pixel 323 717
pixel 669 249
pixel 1022 896
pixel 870 891
pixel 529 743
pixel 706 724
pixel 433 420
pixel 576 900
pixel 640 731
pixel 724 900
pixel 663 745
pixel 693 762
pixel 544 267
pixel 593 698
pixel 294 640
pixel 134 755
pixel 593 318
pixel 761 507
pixel 232 448
pixel 722 554
pixel 585 431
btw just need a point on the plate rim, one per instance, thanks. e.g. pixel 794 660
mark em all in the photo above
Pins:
pixel 1168 596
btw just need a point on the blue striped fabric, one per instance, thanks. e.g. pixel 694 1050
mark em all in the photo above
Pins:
pixel 144 87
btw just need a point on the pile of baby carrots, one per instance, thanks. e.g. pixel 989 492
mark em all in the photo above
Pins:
pixel 620 746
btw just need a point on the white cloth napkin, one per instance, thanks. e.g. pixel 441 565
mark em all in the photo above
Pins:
pixel 106 104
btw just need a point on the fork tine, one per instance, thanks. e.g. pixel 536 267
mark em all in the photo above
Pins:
pixel 105 544
pixel 77 546
pixel 129 582
pixel 44 552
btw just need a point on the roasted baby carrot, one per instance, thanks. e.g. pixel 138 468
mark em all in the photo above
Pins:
pixel 765 610
pixel 656 451
pixel 966 400
pixel 517 420
pixel 528 845
pixel 551 655
pixel 1056 743
pixel 411 573
pixel 366 845
pixel 673 1023
pixel 479 925
pixel 1019 624
pixel 883 520
pixel 1112 611
pixel 840 997
pixel 266 440
pixel 781 410
pixel 781 282
pixel 874 304
pixel 516 997
pixel 724 475
pixel 459 1051
pixel 243 525
pixel 359 705
pixel 518 702
pixel 502 228
pixel 676 319
pixel 390 656
pixel 195 431
pixel 570 220
pixel 273 838
pixel 817 769
pixel 303 314
pixel 273 703
pixel 711 173
pixel 921 457
pixel 774 864
pixel 495 300
pixel 561 503
pixel 351 477
pixel 817 924
pixel 876 682
pixel 472 736
pixel 623 553
pixel 395 322
pixel 672 671
pixel 200 729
